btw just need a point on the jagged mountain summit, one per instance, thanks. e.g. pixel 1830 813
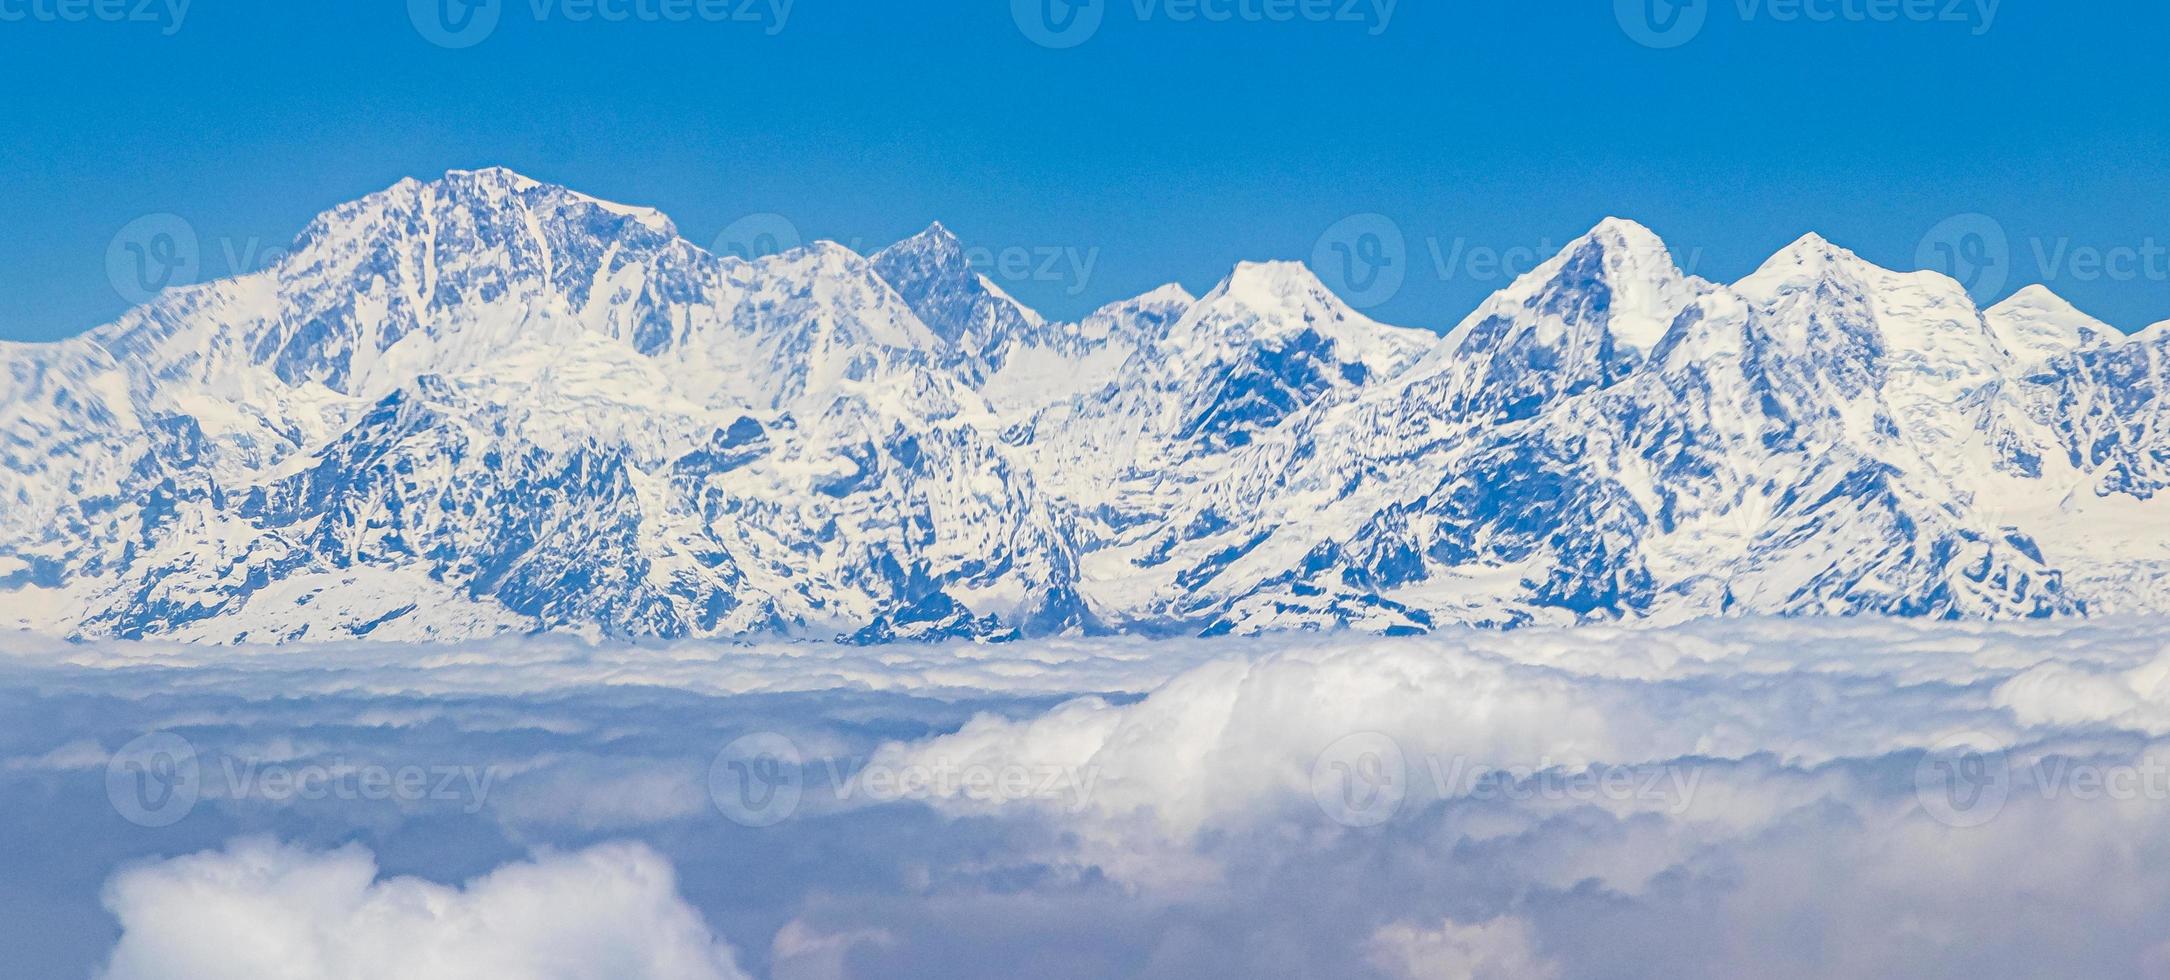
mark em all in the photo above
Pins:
pixel 485 404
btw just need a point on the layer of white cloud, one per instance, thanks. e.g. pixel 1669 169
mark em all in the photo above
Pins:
pixel 554 664
pixel 1245 738
pixel 1777 798
pixel 259 909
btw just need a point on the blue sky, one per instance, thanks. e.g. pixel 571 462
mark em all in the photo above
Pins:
pixel 1166 145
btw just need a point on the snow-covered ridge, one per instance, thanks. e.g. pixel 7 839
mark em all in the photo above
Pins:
pixel 487 404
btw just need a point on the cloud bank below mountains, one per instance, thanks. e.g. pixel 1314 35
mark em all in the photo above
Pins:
pixel 1788 798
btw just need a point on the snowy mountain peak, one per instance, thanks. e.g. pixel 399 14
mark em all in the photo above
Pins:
pixel 1648 289
pixel 1617 247
pixel 937 243
pixel 1272 302
pixel 2036 324
pixel 1917 336
pixel 1172 294
pixel 1278 298
pixel 497 186
pixel 1817 297
pixel 1623 265
pixel 1263 286
pixel 2036 297
pixel 980 322
pixel 1269 284
pixel 1627 234
pixel 931 255
pixel 1810 256
pixel 938 233
pixel 1140 318
pixel 501 202
pixel 1583 319
pixel 1205 378
pixel 1813 243
pixel 495 175
pixel 824 253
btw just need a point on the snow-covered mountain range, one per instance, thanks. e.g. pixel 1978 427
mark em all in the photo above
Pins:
pixel 486 404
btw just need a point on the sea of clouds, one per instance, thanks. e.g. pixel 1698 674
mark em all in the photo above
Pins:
pixel 1755 797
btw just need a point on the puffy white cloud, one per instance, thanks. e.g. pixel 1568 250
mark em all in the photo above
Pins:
pixel 260 909
pixel 2077 693
pixel 1245 739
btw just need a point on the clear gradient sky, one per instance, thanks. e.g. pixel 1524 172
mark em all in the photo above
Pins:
pixel 1151 142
